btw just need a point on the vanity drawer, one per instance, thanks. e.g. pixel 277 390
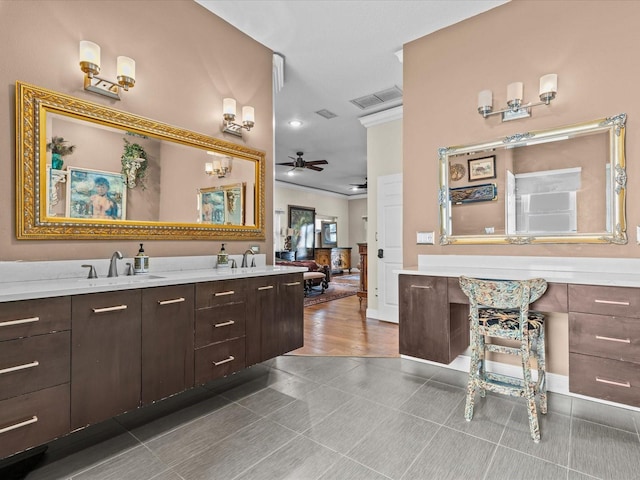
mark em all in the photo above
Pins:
pixel 210 294
pixel 34 363
pixel 25 318
pixel 619 301
pixel 604 336
pixel 604 378
pixel 218 324
pixel 218 360
pixel 33 419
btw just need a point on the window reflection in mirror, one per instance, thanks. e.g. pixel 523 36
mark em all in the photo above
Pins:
pixel 560 185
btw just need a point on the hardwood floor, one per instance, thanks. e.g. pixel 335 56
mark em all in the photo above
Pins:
pixel 340 328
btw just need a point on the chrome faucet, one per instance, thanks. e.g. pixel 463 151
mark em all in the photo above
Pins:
pixel 113 267
pixel 244 258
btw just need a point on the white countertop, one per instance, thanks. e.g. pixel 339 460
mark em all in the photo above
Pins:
pixel 580 270
pixel 53 280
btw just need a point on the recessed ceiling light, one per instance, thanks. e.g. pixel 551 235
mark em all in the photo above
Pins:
pixel 295 123
pixel 290 173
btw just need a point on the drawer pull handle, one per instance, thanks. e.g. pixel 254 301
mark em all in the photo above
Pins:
pixel 19 322
pixel 220 294
pixel 268 287
pixel 224 324
pixel 292 284
pixel 612 302
pixel 611 382
pixel 19 367
pixel 226 360
pixel 169 302
pixel 426 287
pixel 109 309
pixel 15 426
pixel 611 339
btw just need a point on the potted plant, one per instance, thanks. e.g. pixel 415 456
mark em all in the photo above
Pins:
pixel 134 163
pixel 59 148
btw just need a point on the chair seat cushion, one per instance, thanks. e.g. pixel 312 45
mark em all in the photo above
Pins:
pixel 508 319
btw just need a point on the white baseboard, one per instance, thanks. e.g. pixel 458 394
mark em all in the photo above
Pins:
pixel 555 383
pixel 380 315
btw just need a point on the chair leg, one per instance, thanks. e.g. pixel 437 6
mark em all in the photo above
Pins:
pixel 529 394
pixel 473 377
pixel 482 355
pixel 542 371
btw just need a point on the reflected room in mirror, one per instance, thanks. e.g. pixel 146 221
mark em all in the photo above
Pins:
pixel 159 181
pixel 564 185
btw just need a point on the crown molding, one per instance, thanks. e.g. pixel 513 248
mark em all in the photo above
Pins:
pixel 384 116
pixel 318 191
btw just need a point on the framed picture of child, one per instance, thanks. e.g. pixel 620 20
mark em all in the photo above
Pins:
pixel 211 205
pixel 96 194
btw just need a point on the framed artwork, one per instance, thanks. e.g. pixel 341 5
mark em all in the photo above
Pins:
pixel 482 168
pixel 329 234
pixel 477 193
pixel 96 194
pixel 223 205
pixel 56 192
pixel 302 221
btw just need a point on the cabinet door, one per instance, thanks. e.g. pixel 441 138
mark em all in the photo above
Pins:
pixel 262 329
pixel 425 320
pixel 290 312
pixel 105 355
pixel 167 341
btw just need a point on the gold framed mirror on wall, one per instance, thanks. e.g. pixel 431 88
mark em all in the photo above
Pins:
pixel 86 171
pixel 561 185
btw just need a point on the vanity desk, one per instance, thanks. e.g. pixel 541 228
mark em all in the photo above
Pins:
pixel 600 296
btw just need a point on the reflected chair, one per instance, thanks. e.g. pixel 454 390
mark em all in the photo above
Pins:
pixel 500 309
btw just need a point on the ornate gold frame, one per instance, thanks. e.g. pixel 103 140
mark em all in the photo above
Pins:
pixel 614 125
pixel 32 222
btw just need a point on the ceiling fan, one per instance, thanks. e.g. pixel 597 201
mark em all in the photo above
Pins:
pixel 359 186
pixel 300 163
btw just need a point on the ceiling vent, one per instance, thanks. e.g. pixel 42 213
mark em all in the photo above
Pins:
pixel 378 98
pixel 326 114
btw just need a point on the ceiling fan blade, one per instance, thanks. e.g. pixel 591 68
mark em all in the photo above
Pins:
pixel 317 162
pixel 311 167
pixel 290 164
pixel 292 158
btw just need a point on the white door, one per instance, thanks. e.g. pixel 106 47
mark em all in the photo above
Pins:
pixel 510 204
pixel 389 252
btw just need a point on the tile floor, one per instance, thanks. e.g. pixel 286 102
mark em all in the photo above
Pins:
pixel 348 418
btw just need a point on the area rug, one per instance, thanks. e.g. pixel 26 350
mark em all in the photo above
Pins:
pixel 336 290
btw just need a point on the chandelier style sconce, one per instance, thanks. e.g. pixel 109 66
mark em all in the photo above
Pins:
pixel 229 116
pixel 90 65
pixel 218 168
pixel 515 108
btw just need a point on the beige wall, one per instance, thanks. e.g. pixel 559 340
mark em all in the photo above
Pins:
pixel 592 46
pixel 357 227
pixel 187 60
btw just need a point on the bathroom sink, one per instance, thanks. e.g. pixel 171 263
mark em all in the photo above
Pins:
pixel 124 280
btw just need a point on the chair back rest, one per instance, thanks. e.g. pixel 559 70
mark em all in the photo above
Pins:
pixel 503 293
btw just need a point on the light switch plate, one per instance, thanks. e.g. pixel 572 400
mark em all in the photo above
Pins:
pixel 425 238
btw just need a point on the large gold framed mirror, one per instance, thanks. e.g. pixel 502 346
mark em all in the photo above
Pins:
pixel 86 171
pixel 561 185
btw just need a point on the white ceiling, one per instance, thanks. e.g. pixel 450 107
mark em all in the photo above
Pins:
pixel 336 51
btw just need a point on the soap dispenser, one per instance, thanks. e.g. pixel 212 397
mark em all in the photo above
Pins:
pixel 141 262
pixel 223 258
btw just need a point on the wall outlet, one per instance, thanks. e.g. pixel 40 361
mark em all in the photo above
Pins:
pixel 425 238
pixel 255 248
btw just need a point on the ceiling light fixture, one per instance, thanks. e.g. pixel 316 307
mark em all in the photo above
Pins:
pixel 90 65
pixel 295 123
pixel 515 109
pixel 229 116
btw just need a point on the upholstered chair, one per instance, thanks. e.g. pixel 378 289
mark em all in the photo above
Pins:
pixel 499 309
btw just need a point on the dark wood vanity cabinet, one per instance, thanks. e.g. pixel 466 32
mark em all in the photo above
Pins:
pixel 34 372
pixel 220 329
pixel 275 313
pixel 604 343
pixel 430 327
pixel 105 355
pixel 167 341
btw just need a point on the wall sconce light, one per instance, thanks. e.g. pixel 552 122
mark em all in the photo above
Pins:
pixel 220 167
pixel 515 109
pixel 90 65
pixel 229 116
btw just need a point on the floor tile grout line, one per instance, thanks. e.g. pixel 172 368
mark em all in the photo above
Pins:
pixel 421 451
pixel 295 437
pixel 495 450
